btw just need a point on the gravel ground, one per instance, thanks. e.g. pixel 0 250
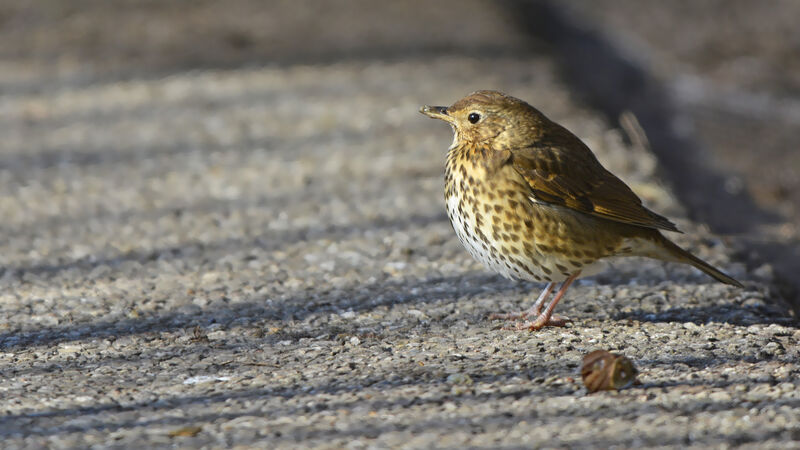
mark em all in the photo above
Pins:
pixel 261 257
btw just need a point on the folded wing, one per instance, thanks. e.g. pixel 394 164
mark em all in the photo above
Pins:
pixel 561 170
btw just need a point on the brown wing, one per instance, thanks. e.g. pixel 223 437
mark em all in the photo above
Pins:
pixel 561 170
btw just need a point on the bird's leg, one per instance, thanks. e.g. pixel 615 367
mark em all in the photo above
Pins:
pixel 533 311
pixel 547 318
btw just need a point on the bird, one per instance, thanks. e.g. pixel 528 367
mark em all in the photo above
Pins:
pixel 530 201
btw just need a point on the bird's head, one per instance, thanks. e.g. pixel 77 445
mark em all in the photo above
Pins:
pixel 491 119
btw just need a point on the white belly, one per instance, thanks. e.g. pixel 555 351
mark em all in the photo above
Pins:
pixel 524 265
pixel 488 253
pixel 466 229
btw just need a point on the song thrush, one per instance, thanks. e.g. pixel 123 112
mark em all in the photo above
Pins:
pixel 529 200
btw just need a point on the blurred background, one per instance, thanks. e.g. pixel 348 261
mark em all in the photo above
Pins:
pixel 715 84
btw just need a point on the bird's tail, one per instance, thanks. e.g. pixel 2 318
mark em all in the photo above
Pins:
pixel 680 255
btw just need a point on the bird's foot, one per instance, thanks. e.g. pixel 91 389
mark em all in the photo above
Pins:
pixel 540 322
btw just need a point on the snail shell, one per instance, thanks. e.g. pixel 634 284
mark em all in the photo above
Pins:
pixel 606 371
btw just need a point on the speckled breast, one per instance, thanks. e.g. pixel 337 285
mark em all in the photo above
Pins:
pixel 496 220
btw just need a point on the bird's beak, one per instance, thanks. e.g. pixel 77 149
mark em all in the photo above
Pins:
pixel 437 112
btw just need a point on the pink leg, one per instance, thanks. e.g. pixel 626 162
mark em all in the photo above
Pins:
pixel 546 318
pixel 533 311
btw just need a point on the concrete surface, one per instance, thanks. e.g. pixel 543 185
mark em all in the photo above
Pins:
pixel 259 256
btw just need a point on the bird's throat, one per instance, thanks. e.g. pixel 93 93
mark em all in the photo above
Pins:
pixel 455 138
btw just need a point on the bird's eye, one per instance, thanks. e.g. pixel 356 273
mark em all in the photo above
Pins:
pixel 473 117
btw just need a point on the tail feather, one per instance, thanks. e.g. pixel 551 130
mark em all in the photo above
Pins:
pixel 683 256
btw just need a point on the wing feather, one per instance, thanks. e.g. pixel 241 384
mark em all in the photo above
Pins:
pixel 561 170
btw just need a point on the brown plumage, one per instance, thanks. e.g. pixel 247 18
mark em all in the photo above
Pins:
pixel 529 200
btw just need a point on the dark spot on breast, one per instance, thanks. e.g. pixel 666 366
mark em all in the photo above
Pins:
pixel 562 269
pixel 528 248
pixel 519 186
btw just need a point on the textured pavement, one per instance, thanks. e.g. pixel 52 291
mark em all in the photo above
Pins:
pixel 260 257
